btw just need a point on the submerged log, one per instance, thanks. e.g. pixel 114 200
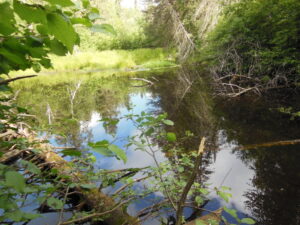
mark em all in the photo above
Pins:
pixel 271 144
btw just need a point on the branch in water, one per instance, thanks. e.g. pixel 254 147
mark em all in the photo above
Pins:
pixel 142 79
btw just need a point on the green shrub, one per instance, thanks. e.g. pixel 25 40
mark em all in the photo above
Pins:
pixel 257 38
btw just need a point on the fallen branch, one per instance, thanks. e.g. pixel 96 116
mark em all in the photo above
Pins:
pixel 142 79
pixel 4 82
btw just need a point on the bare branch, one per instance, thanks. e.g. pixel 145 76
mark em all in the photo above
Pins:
pixel 4 82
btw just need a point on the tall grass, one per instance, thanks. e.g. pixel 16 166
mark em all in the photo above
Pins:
pixel 114 59
pixel 109 60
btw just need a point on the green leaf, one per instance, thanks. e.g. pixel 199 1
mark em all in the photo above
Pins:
pixel 63 3
pixel 7 19
pixel 30 13
pixel 31 167
pixel 83 21
pixel 248 221
pixel 88 186
pixel 225 196
pixel 16 215
pixel 171 136
pixel 103 28
pixel 103 151
pixel 15 57
pixel 58 48
pixel 224 188
pixel 85 3
pixel 15 180
pixel 71 152
pixel 119 152
pixel 101 147
pixel 7 203
pixel 62 30
pixel 149 131
pixel 168 122
pixel 198 200
pixel 203 191
pixel 42 29
pixel 180 169
pixel 55 203
pixel 231 212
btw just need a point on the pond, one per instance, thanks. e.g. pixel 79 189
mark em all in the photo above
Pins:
pixel 265 179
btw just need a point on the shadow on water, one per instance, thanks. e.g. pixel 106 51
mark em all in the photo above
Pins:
pixel 264 181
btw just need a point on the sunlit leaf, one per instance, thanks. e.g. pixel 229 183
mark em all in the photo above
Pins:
pixel 71 152
pixel 198 200
pixel 248 221
pixel 168 122
pixel 83 21
pixel 171 136
pixel 64 3
pixel 119 152
pixel 225 196
pixel 103 151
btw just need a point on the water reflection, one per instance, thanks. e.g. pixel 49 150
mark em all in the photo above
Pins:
pixel 264 181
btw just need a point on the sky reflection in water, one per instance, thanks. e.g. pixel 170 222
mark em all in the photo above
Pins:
pixel 231 123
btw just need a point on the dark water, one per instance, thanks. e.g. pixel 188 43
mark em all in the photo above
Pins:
pixel 265 181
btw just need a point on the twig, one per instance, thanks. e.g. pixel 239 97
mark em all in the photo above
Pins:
pixel 123 170
pixel 62 208
pixel 127 185
pixel 189 184
pixel 151 208
pixel 159 173
pixel 142 79
pixel 225 177
pixel 86 218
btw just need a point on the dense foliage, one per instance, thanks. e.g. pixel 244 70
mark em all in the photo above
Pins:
pixel 254 41
pixel 128 23
pixel 29 32
pixel 258 38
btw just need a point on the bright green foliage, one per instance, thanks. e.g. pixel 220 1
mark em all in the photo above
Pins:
pixel 29 32
pixel 114 59
pixel 109 150
pixel 257 38
pixel 128 23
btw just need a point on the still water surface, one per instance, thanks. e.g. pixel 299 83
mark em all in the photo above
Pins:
pixel 265 181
